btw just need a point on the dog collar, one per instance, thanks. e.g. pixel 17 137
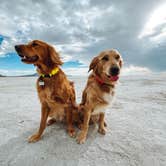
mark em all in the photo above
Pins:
pixel 53 72
pixel 101 82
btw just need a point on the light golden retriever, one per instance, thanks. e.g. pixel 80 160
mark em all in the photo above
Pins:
pixel 99 90
pixel 55 91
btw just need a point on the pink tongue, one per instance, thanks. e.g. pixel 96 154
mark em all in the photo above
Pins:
pixel 114 78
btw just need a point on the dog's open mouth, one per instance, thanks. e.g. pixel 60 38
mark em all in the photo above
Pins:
pixel 113 78
pixel 28 59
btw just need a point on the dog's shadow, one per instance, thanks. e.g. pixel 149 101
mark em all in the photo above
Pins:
pixel 55 145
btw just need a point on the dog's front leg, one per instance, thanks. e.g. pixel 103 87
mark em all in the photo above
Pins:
pixel 82 136
pixel 69 120
pixel 102 129
pixel 44 115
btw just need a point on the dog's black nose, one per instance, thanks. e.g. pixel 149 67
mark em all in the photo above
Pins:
pixel 17 47
pixel 114 71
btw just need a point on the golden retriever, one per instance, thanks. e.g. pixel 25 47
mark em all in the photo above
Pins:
pixel 55 91
pixel 99 90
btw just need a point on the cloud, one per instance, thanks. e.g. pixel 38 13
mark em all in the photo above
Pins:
pixel 81 71
pixel 82 29
pixel 6 46
pixel 135 70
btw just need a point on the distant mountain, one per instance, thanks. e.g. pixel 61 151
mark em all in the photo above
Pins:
pixel 29 75
pixel 2 75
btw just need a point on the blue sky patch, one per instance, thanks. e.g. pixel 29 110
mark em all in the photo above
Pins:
pixel 1 39
pixel 12 61
pixel 72 64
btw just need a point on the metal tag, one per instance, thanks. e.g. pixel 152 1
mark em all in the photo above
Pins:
pixel 41 83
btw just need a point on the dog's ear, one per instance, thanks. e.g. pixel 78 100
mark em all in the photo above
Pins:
pixel 121 62
pixel 54 56
pixel 93 63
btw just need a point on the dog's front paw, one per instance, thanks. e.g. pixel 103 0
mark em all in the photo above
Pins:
pixel 102 130
pixel 81 138
pixel 71 132
pixel 34 138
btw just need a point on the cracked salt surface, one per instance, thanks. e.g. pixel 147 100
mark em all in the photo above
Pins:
pixel 136 132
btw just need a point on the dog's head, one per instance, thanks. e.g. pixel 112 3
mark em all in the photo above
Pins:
pixel 38 53
pixel 107 65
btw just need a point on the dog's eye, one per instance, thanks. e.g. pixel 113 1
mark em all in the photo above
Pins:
pixel 117 57
pixel 105 58
pixel 34 44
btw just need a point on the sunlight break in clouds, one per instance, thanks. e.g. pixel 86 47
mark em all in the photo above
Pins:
pixel 155 26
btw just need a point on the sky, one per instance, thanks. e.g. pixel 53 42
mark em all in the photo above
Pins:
pixel 80 30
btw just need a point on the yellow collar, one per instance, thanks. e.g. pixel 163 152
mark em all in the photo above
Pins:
pixel 53 72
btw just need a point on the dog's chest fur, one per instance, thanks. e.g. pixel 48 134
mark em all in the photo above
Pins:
pixel 101 108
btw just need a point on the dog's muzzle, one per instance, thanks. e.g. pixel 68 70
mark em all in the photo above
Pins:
pixel 114 71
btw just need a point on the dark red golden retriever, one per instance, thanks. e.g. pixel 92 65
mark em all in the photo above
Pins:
pixel 55 91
